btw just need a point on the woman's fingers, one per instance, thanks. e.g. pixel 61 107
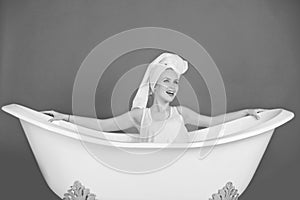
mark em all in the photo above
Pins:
pixel 54 119
pixel 55 115
pixel 257 116
pixel 48 112
pixel 260 110
pixel 51 115
pixel 254 113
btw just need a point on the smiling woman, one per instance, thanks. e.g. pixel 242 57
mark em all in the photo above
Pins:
pixel 159 123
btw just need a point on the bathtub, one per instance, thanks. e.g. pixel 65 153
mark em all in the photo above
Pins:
pixel 67 158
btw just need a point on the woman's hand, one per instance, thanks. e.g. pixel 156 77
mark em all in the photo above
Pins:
pixel 254 112
pixel 56 115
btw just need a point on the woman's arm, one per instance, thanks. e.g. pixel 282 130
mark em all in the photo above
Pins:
pixel 191 117
pixel 228 117
pixel 121 122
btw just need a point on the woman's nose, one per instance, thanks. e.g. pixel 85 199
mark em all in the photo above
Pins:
pixel 172 87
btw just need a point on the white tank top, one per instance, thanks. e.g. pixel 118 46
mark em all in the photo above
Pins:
pixel 165 131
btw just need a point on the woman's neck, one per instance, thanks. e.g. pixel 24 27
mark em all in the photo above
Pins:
pixel 160 106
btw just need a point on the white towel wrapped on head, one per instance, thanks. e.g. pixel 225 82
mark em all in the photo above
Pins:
pixel 152 74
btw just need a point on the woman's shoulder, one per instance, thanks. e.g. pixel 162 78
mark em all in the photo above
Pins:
pixel 137 114
pixel 178 109
pixel 184 111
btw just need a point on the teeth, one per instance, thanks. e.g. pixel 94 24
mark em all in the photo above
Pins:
pixel 170 93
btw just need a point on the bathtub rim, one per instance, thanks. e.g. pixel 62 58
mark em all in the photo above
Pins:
pixel 282 117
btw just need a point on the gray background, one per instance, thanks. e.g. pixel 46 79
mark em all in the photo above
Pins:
pixel 254 43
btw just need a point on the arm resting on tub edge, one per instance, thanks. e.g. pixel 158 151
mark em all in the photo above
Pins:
pixel 121 122
pixel 193 118
pixel 223 118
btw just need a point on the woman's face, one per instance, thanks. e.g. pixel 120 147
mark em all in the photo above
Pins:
pixel 167 85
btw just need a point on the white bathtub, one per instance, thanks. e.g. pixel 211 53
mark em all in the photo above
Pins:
pixel 64 156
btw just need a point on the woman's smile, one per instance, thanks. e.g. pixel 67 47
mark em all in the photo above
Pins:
pixel 171 93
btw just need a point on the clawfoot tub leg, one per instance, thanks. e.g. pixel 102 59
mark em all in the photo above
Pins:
pixel 79 192
pixel 228 192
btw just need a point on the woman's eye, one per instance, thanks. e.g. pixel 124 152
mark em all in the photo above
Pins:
pixel 166 80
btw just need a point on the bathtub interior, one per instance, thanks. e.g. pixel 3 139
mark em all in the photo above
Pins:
pixel 229 129
pixel 223 130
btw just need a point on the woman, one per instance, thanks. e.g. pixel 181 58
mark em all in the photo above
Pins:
pixel 161 122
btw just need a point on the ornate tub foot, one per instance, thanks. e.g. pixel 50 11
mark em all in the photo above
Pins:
pixel 79 192
pixel 228 192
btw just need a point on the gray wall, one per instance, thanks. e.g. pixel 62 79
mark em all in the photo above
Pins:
pixel 254 43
